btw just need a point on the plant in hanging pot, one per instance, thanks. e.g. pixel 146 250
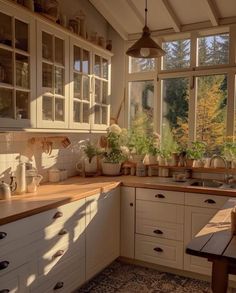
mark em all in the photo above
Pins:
pixel 115 154
pixel 195 153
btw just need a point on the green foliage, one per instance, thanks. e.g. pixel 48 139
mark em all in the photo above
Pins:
pixel 90 150
pixel 168 143
pixel 229 149
pixel 115 156
pixel 196 150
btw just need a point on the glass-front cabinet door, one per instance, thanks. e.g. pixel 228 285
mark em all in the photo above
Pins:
pixel 53 77
pixel 80 81
pixel 17 62
pixel 101 92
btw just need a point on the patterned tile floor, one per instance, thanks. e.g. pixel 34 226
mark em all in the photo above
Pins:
pixel 126 278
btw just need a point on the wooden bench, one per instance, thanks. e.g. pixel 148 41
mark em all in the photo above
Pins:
pixel 216 243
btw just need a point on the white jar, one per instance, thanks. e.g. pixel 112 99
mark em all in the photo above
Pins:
pixel 54 175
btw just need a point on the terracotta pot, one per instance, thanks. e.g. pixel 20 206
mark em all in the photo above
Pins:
pixel 150 159
pixel 189 162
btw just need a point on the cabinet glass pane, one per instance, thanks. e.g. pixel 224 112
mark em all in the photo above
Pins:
pixel 22 71
pixel 22 105
pixel 47 108
pixel 47 76
pixel 85 88
pixel 59 109
pixel 97 90
pixel 6 103
pixel 5 29
pixel 97 66
pixel 86 113
pixel 21 35
pixel 59 51
pixel 59 81
pixel 6 66
pixel 97 114
pixel 85 63
pixel 104 92
pixel 105 68
pixel 47 46
pixel 77 58
pixel 104 115
pixel 77 115
pixel 77 85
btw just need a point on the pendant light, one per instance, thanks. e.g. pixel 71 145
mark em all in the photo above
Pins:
pixel 145 47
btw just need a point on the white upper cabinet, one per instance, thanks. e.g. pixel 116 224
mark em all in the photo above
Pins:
pixel 101 91
pixel 53 77
pixel 50 79
pixel 80 84
pixel 17 63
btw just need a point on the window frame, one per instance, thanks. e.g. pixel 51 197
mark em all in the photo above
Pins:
pixel 192 73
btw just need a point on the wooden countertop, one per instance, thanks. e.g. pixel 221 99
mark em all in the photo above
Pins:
pixel 52 195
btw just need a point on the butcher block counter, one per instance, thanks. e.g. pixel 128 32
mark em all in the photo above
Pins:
pixel 51 195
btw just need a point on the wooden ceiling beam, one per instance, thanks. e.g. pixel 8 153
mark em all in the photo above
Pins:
pixel 212 12
pixel 174 19
pixel 139 16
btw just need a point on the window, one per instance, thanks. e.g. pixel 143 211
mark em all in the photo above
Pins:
pixel 188 101
pixel 175 108
pixel 141 65
pixel 177 54
pixel 141 98
pixel 211 110
pixel 213 50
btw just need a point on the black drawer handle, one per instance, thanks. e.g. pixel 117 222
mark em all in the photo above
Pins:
pixel 4 264
pixel 2 236
pixel 5 291
pixel 157 231
pixel 158 249
pixel 58 285
pixel 58 253
pixel 58 215
pixel 62 232
pixel 211 201
pixel 131 204
pixel 159 195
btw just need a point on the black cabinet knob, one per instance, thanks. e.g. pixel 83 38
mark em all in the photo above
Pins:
pixel 62 232
pixel 58 253
pixel 58 285
pixel 3 235
pixel 159 195
pixel 209 200
pixel 158 249
pixel 58 215
pixel 4 264
pixel 4 291
pixel 131 204
pixel 157 231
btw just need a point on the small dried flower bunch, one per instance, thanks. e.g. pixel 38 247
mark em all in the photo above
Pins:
pixel 115 151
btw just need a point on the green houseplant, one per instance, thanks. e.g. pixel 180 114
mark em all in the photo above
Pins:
pixel 229 151
pixel 194 153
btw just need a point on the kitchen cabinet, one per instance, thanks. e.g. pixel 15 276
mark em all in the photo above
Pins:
pixel 199 209
pixel 127 211
pixel 159 227
pixel 53 77
pixel 49 78
pixel 102 230
pixel 17 62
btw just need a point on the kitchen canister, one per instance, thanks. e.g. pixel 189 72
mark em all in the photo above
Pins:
pixel 54 175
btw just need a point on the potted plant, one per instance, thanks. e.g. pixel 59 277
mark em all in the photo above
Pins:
pixel 152 149
pixel 114 154
pixel 194 154
pixel 229 151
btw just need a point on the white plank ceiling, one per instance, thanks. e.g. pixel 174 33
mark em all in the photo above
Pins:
pixel 127 16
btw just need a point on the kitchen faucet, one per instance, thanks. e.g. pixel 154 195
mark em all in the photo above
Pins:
pixel 228 177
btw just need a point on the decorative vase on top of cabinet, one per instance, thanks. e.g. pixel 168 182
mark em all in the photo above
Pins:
pixel 17 60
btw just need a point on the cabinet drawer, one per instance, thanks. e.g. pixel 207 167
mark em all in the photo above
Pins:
pixel 9 284
pixel 159 251
pixel 160 195
pixel 205 200
pixel 157 211
pixel 68 275
pixel 160 229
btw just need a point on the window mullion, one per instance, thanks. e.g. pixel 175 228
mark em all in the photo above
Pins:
pixel 230 105
pixel 192 108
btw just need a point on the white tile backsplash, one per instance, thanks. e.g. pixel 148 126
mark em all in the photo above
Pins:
pixel 15 144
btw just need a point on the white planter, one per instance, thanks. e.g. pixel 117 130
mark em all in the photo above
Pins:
pixel 111 169
pixel 90 167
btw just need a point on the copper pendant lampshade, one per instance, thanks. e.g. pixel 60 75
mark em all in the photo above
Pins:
pixel 145 47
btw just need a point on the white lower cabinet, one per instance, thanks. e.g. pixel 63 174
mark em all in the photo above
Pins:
pixel 127 212
pixel 102 231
